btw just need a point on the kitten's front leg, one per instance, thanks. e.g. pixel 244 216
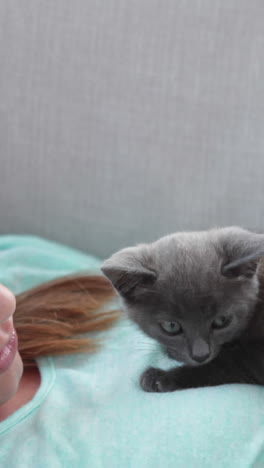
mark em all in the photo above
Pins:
pixel 238 362
pixel 179 378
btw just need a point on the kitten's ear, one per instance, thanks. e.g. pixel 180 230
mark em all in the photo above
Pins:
pixel 242 251
pixel 246 266
pixel 128 270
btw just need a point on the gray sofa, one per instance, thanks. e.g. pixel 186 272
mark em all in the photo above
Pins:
pixel 124 120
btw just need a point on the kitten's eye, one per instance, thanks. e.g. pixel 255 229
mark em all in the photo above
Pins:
pixel 171 328
pixel 221 322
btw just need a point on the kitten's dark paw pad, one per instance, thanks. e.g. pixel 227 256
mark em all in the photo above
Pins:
pixel 154 380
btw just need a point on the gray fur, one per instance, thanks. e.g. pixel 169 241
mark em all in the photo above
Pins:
pixel 181 277
pixel 193 279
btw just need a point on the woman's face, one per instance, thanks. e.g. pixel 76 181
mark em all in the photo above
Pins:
pixel 11 366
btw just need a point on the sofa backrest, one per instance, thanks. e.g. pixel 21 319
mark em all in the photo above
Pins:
pixel 121 121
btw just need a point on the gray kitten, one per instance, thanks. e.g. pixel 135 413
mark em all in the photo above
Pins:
pixel 199 294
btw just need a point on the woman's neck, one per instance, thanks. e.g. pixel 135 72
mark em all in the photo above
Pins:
pixel 28 386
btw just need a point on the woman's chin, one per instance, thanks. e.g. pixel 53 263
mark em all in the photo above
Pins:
pixel 10 379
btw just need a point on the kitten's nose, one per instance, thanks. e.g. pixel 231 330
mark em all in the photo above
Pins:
pixel 200 350
pixel 200 358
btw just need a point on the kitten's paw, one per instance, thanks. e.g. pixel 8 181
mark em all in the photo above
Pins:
pixel 155 380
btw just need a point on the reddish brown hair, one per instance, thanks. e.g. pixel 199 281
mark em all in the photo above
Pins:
pixel 49 317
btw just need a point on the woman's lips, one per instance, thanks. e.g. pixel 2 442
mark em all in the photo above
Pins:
pixel 8 352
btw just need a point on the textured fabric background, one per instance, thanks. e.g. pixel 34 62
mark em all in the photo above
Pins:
pixel 121 121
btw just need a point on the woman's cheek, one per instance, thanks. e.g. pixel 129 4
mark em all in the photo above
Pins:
pixel 7 304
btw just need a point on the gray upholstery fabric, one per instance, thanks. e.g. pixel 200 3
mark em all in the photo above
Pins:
pixel 121 121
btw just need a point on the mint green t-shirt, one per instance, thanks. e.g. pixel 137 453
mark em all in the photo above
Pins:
pixel 90 411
